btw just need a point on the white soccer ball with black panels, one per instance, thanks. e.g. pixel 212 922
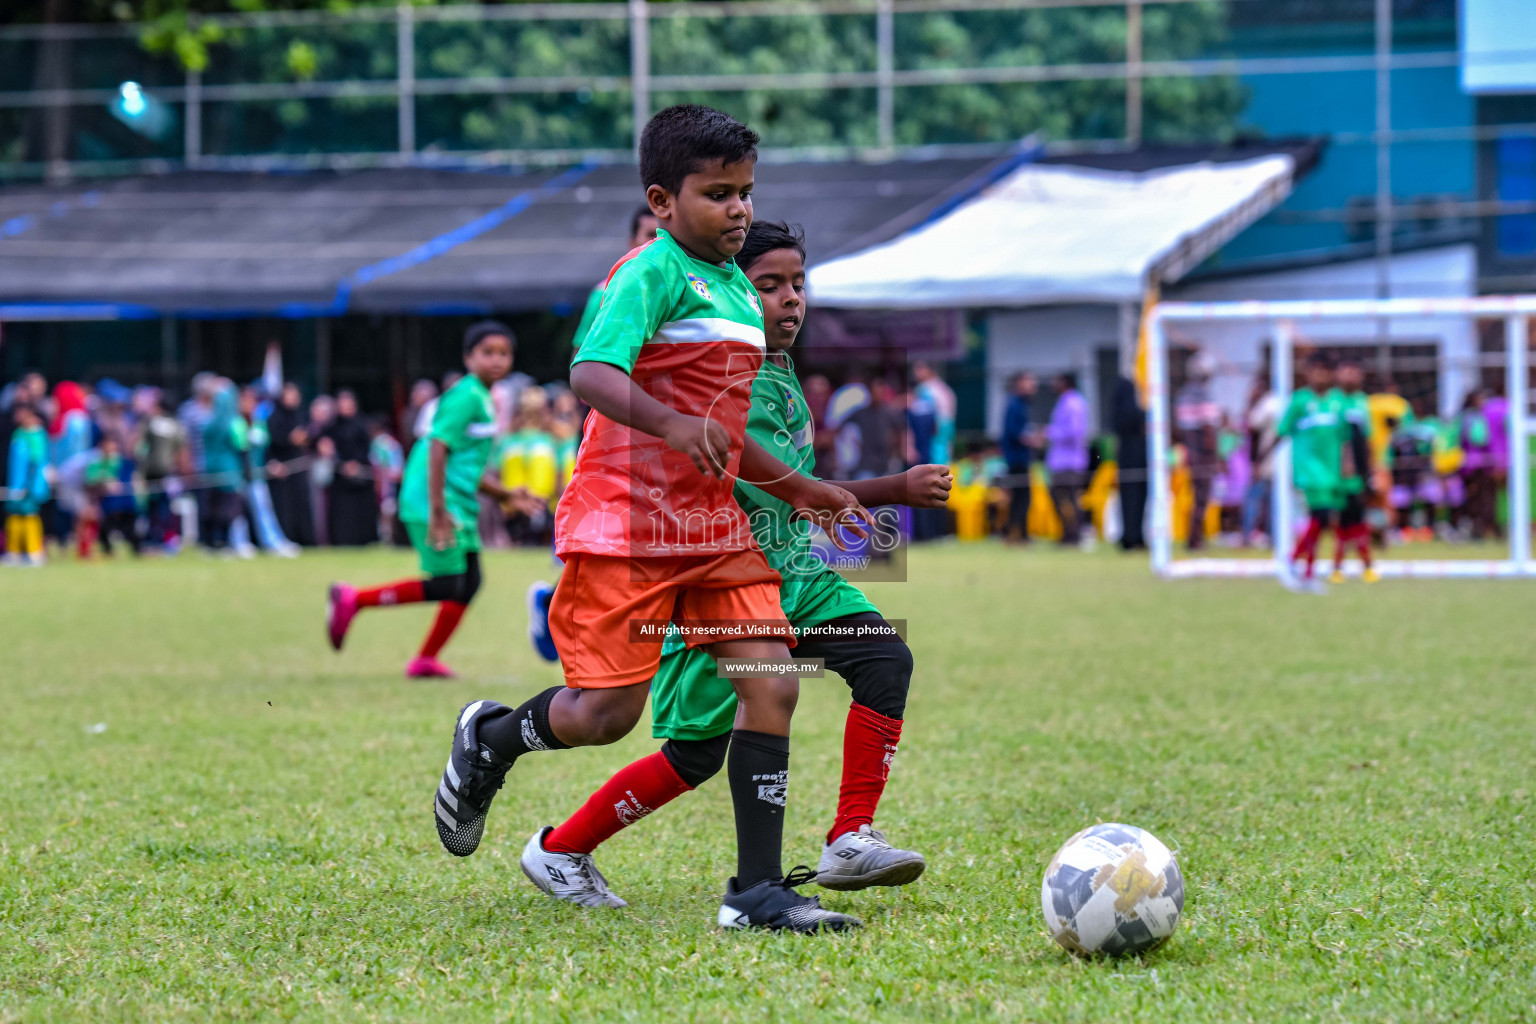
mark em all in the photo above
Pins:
pixel 1112 889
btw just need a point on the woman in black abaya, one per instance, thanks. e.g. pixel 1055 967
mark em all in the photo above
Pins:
pixel 352 510
pixel 286 479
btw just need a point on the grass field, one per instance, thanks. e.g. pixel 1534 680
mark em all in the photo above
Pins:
pixel 248 837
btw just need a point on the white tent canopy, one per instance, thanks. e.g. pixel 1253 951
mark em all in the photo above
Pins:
pixel 1050 234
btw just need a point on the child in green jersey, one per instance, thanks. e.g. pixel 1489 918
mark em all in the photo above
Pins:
pixel 694 710
pixel 440 504
pixel 1312 422
pixel 1355 476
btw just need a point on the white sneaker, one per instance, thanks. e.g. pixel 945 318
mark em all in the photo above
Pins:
pixel 572 877
pixel 858 860
pixel 10 558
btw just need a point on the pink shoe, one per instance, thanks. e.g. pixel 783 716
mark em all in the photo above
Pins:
pixel 428 668
pixel 340 610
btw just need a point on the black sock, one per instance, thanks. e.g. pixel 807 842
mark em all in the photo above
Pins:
pixel 758 769
pixel 524 729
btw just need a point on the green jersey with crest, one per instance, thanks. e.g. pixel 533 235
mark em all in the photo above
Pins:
pixel 465 422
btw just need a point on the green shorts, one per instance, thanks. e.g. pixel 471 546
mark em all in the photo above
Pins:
pixel 690 702
pixel 450 561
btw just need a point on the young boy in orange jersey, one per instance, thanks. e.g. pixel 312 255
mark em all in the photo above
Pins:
pixel 649 528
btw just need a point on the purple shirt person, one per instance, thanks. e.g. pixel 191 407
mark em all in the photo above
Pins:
pixel 1066 435
pixel 1496 412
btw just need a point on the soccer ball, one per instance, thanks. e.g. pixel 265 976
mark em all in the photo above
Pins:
pixel 1112 889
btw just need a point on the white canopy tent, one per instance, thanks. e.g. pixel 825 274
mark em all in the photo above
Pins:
pixel 1054 234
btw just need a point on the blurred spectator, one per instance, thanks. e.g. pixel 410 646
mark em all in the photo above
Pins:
pixel 69 439
pixel 109 490
pixel 930 388
pixel 223 471
pixel 565 425
pixel 161 454
pixel 387 458
pixel 530 470
pixel 1197 419
pixel 288 447
pixel 1020 439
pixel 1262 421
pixel 881 429
pixel 264 527
pixel 423 393
pixel 1477 468
pixel 351 506
pixel 1130 423
pixel 1066 454
pixel 818 391
pixel 193 417
pixel 26 482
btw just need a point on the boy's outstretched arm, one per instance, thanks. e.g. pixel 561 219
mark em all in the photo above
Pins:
pixel 827 504
pixel 614 393
pixel 924 486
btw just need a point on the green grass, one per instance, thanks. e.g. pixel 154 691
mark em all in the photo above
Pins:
pixel 1348 780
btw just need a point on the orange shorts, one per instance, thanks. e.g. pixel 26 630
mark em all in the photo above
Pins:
pixel 602 609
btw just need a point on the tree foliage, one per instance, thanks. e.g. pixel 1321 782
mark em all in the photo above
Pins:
pixel 600 117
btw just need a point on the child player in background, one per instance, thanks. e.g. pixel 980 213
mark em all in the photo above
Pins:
pixel 1312 422
pixel 26 488
pixel 693 709
pixel 440 505
pixel 1355 476
pixel 649 528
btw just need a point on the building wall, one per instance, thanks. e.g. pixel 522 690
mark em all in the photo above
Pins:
pixel 1046 341
pixel 1345 103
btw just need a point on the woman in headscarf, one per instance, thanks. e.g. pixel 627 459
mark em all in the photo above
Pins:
pixel 70 436
pixel 287 478
pixel 352 511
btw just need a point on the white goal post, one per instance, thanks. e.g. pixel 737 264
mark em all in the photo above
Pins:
pixel 1283 317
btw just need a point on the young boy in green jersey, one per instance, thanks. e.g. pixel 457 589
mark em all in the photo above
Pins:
pixel 1355 475
pixel 1313 423
pixel 440 505
pixel 649 529
pixel 693 709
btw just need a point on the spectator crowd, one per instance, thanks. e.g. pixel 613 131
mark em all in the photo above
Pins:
pixel 241 469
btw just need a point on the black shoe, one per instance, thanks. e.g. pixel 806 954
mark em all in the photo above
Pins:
pixel 774 904
pixel 470 781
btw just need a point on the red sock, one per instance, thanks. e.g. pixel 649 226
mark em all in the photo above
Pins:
pixel 869 744
pixel 1343 536
pixel 400 592
pixel 86 538
pixel 635 791
pixel 448 615
pixel 1306 546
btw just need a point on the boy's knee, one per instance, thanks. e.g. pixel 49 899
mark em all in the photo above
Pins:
pixel 697 761
pixel 881 683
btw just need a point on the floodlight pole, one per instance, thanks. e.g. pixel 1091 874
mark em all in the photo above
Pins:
pixel 1282 506
pixel 1517 387
pixel 885 73
pixel 192 120
pixel 1157 384
pixel 405 80
pixel 639 66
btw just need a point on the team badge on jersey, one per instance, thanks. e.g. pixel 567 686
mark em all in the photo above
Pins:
pixel 756 306
pixel 701 286
pixel 789 405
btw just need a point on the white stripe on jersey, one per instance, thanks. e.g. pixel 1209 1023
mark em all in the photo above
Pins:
pixel 709 328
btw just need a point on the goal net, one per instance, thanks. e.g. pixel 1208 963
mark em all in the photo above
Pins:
pixel 1448 386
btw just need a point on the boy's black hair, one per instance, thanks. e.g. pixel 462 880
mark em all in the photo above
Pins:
pixel 679 139
pixel 477 332
pixel 1322 360
pixel 641 212
pixel 765 236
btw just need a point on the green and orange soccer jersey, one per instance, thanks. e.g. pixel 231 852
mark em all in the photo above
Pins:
pixel 1315 424
pixel 690 334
